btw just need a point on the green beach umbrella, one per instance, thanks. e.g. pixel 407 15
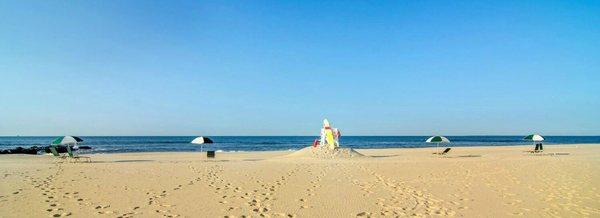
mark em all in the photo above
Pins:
pixel 534 137
pixel 437 140
pixel 66 140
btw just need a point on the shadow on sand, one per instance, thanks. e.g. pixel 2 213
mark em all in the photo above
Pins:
pixel 122 161
pixel 383 156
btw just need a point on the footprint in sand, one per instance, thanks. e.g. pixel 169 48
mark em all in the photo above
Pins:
pixel 62 214
pixel 102 207
pixel 362 214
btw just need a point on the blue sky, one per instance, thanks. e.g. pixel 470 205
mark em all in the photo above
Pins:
pixel 280 67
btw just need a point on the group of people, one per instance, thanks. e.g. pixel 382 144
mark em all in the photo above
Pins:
pixel 329 137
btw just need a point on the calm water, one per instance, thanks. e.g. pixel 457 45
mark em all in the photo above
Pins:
pixel 114 144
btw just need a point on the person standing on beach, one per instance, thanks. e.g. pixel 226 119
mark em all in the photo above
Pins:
pixel 336 135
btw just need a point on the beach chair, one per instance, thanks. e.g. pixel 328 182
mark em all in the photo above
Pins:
pixel 55 152
pixel 76 157
pixel 443 152
pixel 446 151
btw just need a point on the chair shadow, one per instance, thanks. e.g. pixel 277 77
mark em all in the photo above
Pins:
pixel 548 154
pixel 252 159
pixel 470 155
pixel 122 161
pixel 383 156
pixel 215 160
pixel 459 156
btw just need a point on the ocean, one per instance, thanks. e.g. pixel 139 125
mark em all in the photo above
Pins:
pixel 120 144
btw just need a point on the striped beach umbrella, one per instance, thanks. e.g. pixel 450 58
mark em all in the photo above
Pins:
pixel 534 137
pixel 437 140
pixel 66 140
pixel 201 140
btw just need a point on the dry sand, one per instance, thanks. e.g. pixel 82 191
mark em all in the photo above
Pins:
pixel 469 182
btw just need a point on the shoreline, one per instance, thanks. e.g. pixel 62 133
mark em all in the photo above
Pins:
pixel 258 143
pixel 461 150
pixel 391 148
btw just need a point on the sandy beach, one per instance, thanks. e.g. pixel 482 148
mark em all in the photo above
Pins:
pixel 468 182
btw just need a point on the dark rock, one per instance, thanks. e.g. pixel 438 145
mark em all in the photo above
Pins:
pixel 18 150
pixel 85 147
pixel 36 150
pixel 21 150
pixel 32 150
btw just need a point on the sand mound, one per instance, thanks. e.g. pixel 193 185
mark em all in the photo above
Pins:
pixel 326 153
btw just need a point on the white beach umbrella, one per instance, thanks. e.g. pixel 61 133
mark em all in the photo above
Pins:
pixel 437 140
pixel 534 137
pixel 66 140
pixel 201 140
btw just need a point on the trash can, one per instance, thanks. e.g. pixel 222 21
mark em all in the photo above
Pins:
pixel 210 154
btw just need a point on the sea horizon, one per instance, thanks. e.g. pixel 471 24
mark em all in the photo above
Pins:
pixel 127 144
pixel 559 135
